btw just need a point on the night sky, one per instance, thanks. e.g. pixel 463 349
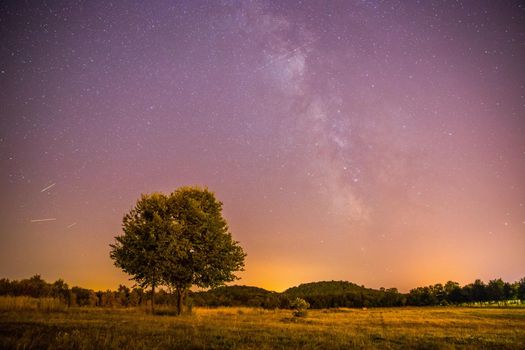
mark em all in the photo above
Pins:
pixel 381 143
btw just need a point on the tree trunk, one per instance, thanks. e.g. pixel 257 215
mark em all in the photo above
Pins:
pixel 180 297
pixel 153 298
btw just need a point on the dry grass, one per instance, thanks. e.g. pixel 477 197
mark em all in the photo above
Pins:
pixel 8 303
pixel 250 328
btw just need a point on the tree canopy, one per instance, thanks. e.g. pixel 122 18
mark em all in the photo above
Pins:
pixel 179 241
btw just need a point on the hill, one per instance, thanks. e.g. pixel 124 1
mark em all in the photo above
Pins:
pixel 324 288
pixel 325 294
pixel 328 294
pixel 237 296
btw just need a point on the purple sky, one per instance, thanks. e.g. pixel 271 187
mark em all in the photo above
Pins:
pixel 377 142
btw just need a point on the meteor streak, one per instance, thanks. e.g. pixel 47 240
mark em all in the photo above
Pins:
pixel 48 187
pixel 42 220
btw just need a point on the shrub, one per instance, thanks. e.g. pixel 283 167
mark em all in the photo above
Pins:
pixel 299 307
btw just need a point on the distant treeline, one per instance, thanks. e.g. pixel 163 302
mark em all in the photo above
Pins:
pixel 334 294
pixel 319 295
pixel 76 296
pixel 346 294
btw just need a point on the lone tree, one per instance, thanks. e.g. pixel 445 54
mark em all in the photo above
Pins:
pixel 205 253
pixel 147 232
pixel 179 241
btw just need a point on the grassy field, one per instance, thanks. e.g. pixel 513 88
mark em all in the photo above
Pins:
pixel 246 328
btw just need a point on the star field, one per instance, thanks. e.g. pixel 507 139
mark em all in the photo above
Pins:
pixel 377 142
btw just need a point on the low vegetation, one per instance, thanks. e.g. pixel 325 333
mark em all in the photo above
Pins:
pixel 256 328
pixel 23 303
pixel 39 315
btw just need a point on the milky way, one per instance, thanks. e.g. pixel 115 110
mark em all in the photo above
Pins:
pixel 377 142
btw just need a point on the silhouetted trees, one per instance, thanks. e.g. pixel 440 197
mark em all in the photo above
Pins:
pixel 239 296
pixel 319 295
pixel 76 296
pixel 495 291
pixel 344 294
pixel 521 289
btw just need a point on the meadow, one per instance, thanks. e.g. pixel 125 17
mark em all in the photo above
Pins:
pixel 48 326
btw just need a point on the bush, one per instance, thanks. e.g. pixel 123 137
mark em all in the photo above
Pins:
pixel 300 307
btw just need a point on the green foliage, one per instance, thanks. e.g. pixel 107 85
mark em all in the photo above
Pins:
pixel 238 296
pixel 83 297
pixel 300 307
pixel 141 251
pixel 478 292
pixel 179 241
pixel 299 304
pixel 324 288
pixel 205 254
pixel 331 294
